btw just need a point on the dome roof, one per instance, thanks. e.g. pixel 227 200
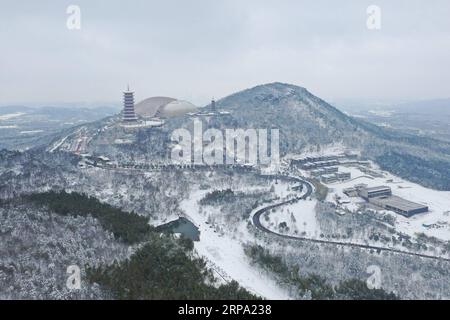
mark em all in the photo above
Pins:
pixel 164 107
pixel 176 108
pixel 149 107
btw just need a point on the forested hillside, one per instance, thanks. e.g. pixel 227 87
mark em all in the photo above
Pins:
pixel 317 287
pixel 42 234
pixel 165 269
pixel 305 122
pixel 127 227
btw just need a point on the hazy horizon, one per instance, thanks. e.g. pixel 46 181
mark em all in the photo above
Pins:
pixel 337 102
pixel 199 49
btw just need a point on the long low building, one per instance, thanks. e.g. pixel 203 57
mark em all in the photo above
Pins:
pixel 368 193
pixel 329 178
pixel 382 197
pixel 334 177
pixel 326 170
pixel 343 176
pixel 399 205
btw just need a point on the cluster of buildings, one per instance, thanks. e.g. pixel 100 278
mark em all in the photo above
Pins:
pixel 152 111
pixel 370 172
pixel 309 163
pixel 94 161
pixel 213 111
pixel 330 174
pixel 335 177
pixel 323 171
pixel 325 167
pixel 381 196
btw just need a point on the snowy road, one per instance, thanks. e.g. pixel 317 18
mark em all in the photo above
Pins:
pixel 256 219
pixel 227 256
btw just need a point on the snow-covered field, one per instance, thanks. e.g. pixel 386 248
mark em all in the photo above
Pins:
pixel 226 253
pixel 10 116
pixel 31 131
pixel 300 218
pixel 329 150
pixel 434 223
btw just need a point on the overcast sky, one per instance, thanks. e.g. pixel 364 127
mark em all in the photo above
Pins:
pixel 196 49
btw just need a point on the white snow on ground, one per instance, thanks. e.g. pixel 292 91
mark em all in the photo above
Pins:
pixel 11 115
pixel 332 149
pixel 227 253
pixel 58 144
pixel 143 124
pixel 382 113
pixel 167 218
pixel 301 217
pixel 305 223
pixel 281 189
pixel 435 223
pixel 31 131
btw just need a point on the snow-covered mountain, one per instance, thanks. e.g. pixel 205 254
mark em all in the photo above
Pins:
pixel 220 201
pixel 22 127
pixel 306 124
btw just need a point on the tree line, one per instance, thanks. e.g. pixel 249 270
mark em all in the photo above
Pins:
pixel 162 268
pixel 318 287
pixel 128 227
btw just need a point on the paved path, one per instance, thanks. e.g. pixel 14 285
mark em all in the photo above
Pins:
pixel 256 218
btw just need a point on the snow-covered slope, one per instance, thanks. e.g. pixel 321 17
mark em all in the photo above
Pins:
pixel 305 123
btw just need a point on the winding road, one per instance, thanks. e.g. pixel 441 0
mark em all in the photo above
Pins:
pixel 256 219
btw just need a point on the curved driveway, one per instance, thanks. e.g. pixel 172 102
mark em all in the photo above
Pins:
pixel 309 189
pixel 257 223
